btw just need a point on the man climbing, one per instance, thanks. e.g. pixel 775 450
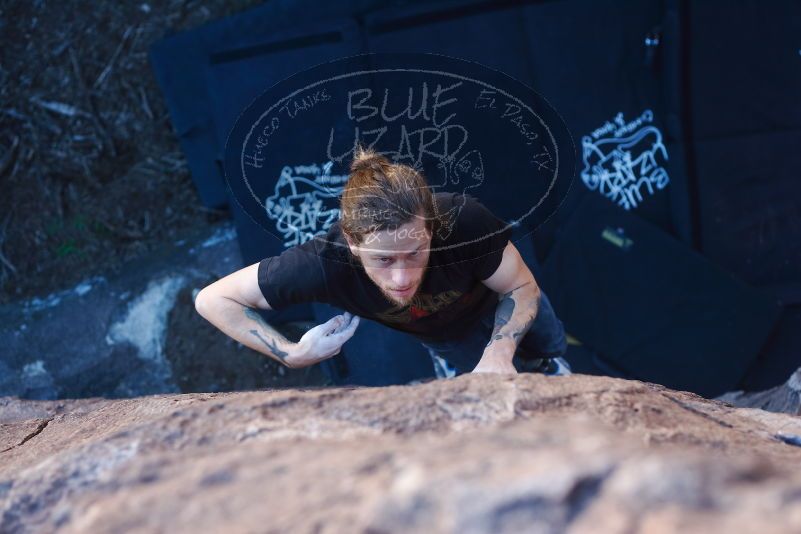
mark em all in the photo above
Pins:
pixel 438 266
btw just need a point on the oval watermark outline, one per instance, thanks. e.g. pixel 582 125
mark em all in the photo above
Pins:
pixel 409 56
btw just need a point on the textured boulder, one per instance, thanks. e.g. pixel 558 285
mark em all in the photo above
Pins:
pixel 479 453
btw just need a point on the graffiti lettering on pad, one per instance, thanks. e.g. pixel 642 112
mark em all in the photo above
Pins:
pixel 623 159
pixel 302 207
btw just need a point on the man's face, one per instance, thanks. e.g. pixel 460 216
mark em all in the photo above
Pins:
pixel 395 259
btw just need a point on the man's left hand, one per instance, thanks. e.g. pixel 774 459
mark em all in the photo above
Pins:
pixel 497 358
pixel 489 364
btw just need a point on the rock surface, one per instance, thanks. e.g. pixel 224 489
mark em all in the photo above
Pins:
pixel 478 453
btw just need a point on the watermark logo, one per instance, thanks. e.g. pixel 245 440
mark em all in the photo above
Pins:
pixel 466 128
pixel 623 159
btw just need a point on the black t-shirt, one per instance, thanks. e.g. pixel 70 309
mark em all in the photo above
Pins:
pixel 450 300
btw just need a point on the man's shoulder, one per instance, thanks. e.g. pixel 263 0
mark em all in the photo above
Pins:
pixel 444 199
pixel 322 248
pixel 332 250
pixel 448 201
pixel 461 215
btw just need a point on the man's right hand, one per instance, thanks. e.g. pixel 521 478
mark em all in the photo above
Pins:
pixel 323 341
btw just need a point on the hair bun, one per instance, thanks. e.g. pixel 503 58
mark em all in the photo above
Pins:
pixel 365 159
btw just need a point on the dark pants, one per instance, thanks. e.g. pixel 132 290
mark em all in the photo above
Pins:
pixel 545 339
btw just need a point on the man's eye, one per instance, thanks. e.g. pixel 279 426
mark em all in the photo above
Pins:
pixel 384 260
pixel 415 253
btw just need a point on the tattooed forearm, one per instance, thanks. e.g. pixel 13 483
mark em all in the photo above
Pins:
pixel 254 315
pixel 269 337
pixel 271 344
pixel 503 313
pixel 245 325
pixel 515 312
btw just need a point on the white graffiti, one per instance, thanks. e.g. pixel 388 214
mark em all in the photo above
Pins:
pixel 624 164
pixel 300 206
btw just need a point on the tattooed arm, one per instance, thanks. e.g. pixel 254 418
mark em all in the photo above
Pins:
pixel 518 304
pixel 230 304
pixel 245 325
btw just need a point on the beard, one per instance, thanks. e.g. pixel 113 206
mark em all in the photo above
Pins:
pixel 406 300
pixel 357 262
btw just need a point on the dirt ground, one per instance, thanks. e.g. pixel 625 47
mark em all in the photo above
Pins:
pixel 91 171
pixel 90 168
